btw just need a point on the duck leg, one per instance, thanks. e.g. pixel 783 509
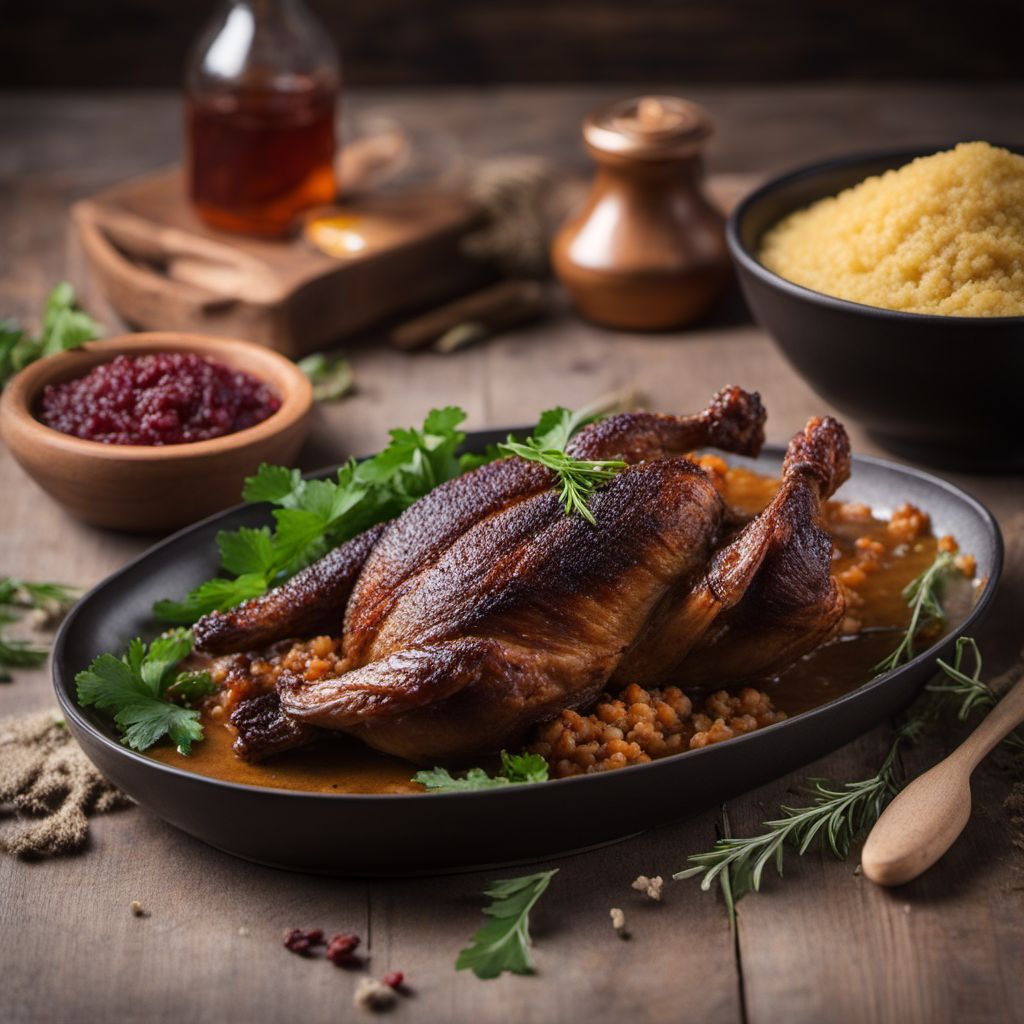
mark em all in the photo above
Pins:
pixel 769 595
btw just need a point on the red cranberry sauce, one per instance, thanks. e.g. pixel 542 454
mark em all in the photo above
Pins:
pixel 165 398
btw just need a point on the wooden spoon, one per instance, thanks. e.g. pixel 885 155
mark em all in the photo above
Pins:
pixel 920 825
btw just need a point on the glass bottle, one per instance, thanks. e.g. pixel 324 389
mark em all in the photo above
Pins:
pixel 261 87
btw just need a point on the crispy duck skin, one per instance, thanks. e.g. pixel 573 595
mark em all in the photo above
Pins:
pixel 415 543
pixel 311 602
pixel 484 608
pixel 314 600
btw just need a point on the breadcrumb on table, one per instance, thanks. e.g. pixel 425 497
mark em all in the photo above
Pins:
pixel 372 994
pixel 650 887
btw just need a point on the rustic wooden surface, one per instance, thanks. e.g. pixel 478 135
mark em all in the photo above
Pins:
pixel 822 945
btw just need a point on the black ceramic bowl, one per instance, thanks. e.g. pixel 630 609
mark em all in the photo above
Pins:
pixel 427 834
pixel 943 390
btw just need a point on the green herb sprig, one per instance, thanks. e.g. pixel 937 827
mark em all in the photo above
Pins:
pixel 146 693
pixel 924 596
pixel 516 769
pixel 968 692
pixel 837 815
pixel 577 478
pixel 840 814
pixel 331 376
pixel 63 327
pixel 18 597
pixel 312 516
pixel 503 943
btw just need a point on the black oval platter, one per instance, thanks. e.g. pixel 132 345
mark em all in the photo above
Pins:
pixel 428 834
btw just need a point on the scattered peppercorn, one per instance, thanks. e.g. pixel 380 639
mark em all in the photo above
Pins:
pixel 394 979
pixel 138 909
pixel 301 942
pixel 341 950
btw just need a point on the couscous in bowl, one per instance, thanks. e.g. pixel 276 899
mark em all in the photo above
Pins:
pixel 939 389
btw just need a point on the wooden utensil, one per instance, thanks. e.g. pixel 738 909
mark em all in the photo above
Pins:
pixel 140 249
pixel 921 824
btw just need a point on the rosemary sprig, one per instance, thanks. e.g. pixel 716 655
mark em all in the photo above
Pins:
pixel 924 596
pixel 578 478
pixel 836 817
pixel 969 691
pixel 48 601
pixel 840 814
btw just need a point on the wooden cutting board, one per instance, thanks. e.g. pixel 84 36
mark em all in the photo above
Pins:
pixel 140 250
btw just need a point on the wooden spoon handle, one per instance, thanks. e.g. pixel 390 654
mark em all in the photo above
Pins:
pixel 924 820
pixel 919 826
pixel 996 726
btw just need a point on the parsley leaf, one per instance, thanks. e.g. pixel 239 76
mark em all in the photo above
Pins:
pixel 515 770
pixel 63 327
pixel 503 943
pixel 312 516
pixel 276 484
pixel 137 690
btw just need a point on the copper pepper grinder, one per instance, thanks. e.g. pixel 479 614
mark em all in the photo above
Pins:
pixel 647 251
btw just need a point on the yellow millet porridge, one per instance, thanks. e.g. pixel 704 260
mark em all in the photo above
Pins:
pixel 943 234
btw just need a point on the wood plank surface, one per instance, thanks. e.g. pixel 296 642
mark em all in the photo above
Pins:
pixel 822 945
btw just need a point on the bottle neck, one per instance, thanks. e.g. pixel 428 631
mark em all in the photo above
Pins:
pixel 273 43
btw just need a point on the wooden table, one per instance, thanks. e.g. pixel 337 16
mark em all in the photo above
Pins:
pixel 823 945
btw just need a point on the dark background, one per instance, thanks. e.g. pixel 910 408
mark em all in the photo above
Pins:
pixel 133 43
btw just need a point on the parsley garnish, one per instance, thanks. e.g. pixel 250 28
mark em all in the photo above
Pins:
pixel 313 516
pixel 516 769
pixel 63 327
pixel 137 689
pixel 503 943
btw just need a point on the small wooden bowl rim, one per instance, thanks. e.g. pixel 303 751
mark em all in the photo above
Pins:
pixel 289 383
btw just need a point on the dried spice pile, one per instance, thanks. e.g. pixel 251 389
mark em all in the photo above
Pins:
pixel 48 788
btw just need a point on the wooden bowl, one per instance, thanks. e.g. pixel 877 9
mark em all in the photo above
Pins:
pixel 152 488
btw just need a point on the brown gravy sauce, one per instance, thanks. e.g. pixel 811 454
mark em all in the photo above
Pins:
pixel 343 765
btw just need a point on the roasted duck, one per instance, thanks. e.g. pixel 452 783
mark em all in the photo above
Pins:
pixel 484 609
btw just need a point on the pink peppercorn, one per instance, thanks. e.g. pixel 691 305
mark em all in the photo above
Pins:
pixel 300 941
pixel 393 979
pixel 341 950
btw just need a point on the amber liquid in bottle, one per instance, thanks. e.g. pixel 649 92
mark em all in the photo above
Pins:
pixel 260 156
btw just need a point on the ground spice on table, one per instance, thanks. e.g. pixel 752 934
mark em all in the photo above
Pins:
pixel 48 787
